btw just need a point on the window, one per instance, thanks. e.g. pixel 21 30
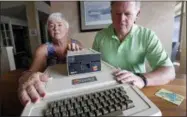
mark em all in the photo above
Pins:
pixel 176 28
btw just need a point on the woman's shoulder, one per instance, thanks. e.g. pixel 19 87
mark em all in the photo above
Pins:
pixel 42 49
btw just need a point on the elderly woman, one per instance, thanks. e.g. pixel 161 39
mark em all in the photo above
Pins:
pixel 31 83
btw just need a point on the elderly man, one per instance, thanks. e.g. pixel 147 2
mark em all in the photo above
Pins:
pixel 126 45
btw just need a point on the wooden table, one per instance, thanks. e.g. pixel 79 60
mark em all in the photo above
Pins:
pixel 8 92
pixel 167 108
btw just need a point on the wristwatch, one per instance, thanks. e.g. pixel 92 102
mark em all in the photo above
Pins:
pixel 143 78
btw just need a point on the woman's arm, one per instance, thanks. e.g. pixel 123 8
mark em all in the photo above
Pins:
pixel 30 83
pixel 40 59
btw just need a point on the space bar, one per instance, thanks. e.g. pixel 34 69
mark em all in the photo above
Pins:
pixel 116 113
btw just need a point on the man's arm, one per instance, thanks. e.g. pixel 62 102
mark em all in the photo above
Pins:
pixel 163 70
pixel 160 76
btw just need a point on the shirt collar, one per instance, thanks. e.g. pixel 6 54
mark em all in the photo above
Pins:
pixel 114 36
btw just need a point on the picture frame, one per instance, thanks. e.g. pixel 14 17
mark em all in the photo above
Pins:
pixel 94 15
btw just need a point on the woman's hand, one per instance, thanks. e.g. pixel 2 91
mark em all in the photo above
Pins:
pixel 31 87
pixel 74 46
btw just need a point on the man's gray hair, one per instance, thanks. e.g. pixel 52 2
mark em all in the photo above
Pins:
pixel 138 3
pixel 56 16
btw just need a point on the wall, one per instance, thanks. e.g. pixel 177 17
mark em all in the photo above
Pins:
pixel 33 25
pixel 157 16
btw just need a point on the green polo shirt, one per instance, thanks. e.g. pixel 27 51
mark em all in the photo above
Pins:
pixel 130 54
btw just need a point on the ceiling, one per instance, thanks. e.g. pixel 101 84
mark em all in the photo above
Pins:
pixel 19 12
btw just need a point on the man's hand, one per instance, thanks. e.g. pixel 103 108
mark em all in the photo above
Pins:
pixel 74 47
pixel 31 87
pixel 128 77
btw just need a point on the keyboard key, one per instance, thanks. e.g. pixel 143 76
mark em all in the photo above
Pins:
pixel 98 105
pixel 84 115
pixel 111 108
pixel 122 93
pixel 98 112
pixel 60 103
pixel 101 93
pixel 79 110
pixel 89 102
pixel 104 111
pixel 86 109
pixel 123 106
pixel 62 108
pixel 110 102
pixel 64 114
pixel 117 95
pixel 66 101
pixel 112 91
pixel 76 105
pixel 69 106
pixel 104 104
pixel 101 99
pixel 112 96
pixel 121 99
pixel 82 103
pixel 72 100
pixel 106 97
pixel 57 115
pixel 121 88
pixel 56 110
pixel 52 104
pixel 96 95
pixel 84 97
pixel 125 97
pixel 116 90
pixel 48 113
pixel 117 107
pixel 129 104
pixel 90 96
pixel 95 100
pixel 79 98
pixel 116 100
pixel 92 107
pixel 72 113
pixel 107 92
pixel 91 114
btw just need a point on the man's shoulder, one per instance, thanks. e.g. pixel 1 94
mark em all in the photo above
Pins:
pixel 104 31
pixel 144 30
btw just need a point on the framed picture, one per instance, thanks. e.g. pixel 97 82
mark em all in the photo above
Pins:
pixel 94 15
